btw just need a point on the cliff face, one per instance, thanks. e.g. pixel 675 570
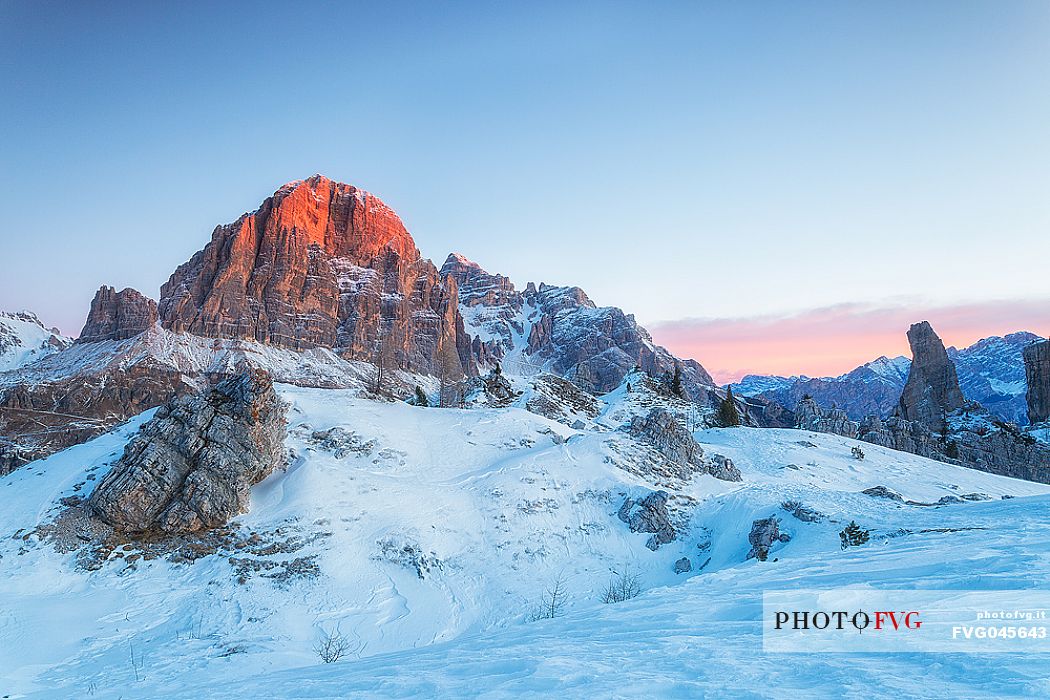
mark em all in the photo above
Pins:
pixel 1037 374
pixel 320 264
pixel 932 390
pixel 117 315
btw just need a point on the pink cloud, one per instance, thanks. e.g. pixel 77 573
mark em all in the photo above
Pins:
pixel 835 339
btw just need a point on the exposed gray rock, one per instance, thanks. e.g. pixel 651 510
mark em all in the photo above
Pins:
pixel 661 430
pixel 989 372
pixel 802 512
pixel 810 416
pixel 191 466
pixel 721 467
pixel 341 442
pixel 1037 374
pixel 763 534
pixel 493 388
pixel 883 492
pixel 649 514
pixel 932 391
pixel 560 400
pixel 683 566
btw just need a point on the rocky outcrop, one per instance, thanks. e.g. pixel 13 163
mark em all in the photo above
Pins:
pixel 1037 375
pixel 764 533
pixel 490 305
pixel 191 466
pixel 492 389
pixel 661 430
pixel 118 315
pixel 970 438
pixel 649 514
pixel 321 264
pixel 810 416
pixel 932 390
pixel 561 400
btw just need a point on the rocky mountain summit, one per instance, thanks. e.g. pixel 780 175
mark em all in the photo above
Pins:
pixel 118 315
pixel 1037 370
pixel 191 466
pixel 320 264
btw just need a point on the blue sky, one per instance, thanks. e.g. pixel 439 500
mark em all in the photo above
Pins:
pixel 681 160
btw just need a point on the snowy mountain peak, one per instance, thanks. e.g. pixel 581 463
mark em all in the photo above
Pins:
pixel 893 369
pixel 24 339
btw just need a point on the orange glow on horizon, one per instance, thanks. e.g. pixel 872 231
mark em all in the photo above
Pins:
pixel 834 340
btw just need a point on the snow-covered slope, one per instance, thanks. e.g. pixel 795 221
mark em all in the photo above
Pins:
pixel 23 340
pixel 425 537
pixel 703 639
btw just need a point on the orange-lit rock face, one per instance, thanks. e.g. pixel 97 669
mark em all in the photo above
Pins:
pixel 320 263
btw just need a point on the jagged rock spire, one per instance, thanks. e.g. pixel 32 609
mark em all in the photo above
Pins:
pixel 932 390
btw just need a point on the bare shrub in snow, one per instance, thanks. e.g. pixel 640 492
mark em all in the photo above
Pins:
pixel 334 645
pixel 552 603
pixel 623 586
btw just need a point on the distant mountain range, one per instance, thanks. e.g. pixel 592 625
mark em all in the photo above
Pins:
pixel 991 372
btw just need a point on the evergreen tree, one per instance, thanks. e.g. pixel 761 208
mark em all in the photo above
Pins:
pixel 728 416
pixel 676 383
pixel 421 397
pixel 853 535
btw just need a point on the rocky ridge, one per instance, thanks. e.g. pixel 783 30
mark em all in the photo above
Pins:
pixel 560 330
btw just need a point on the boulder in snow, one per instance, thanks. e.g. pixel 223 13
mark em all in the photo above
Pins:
pixel 191 466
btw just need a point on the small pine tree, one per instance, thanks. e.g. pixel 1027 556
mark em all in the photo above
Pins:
pixel 421 397
pixel 951 450
pixel 676 383
pixel 728 416
pixel 853 535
